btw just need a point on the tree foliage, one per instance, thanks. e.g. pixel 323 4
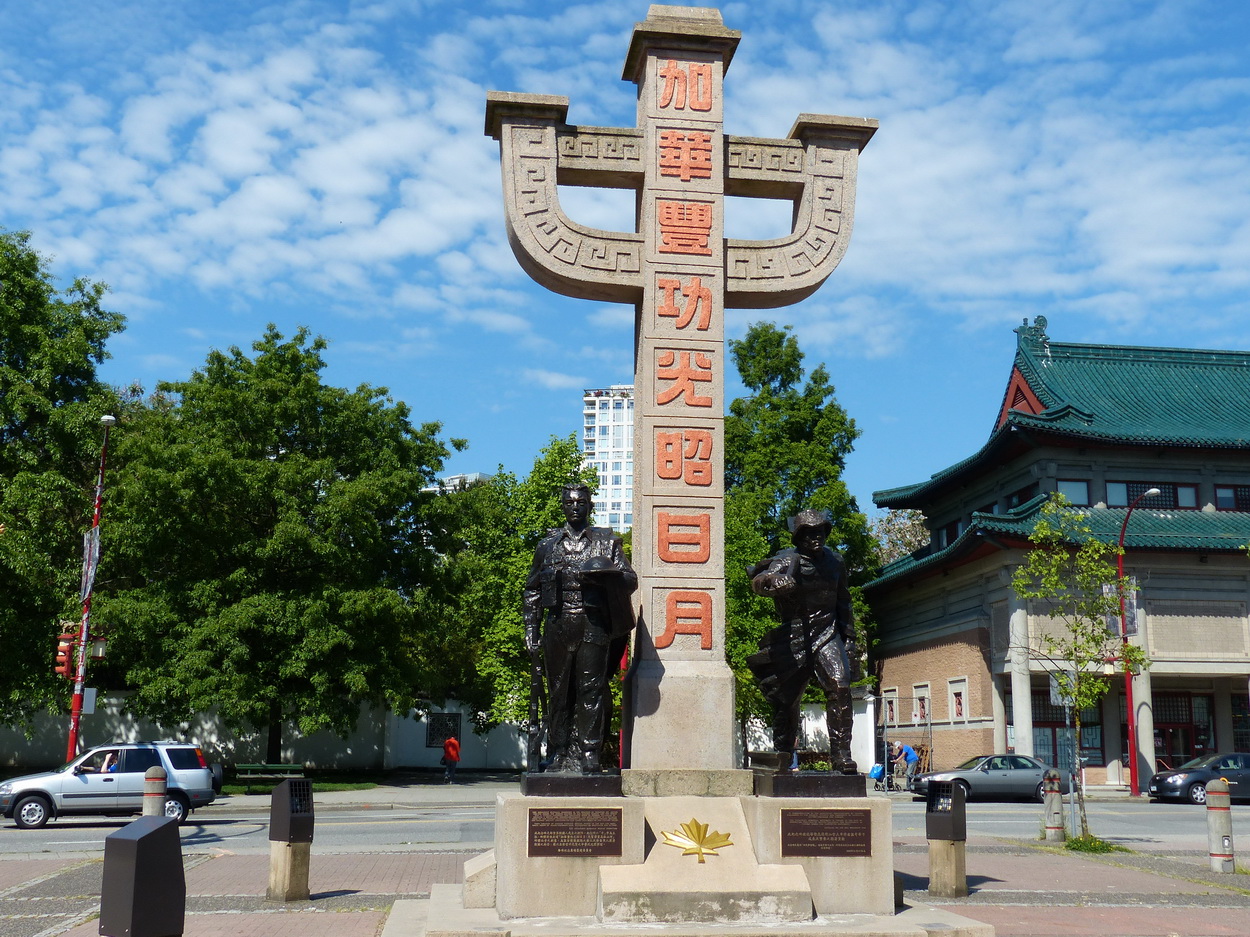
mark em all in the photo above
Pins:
pixel 786 445
pixel 489 532
pixel 270 553
pixel 51 342
pixel 899 534
pixel 1073 576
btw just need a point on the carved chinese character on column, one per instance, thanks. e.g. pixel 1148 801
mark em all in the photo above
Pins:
pixel 685 227
pixel 686 84
pixel 686 370
pixel 687 611
pixel 685 455
pixel 686 154
pixel 698 299
pixel 684 538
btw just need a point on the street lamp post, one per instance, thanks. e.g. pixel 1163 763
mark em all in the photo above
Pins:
pixel 1134 782
pixel 91 556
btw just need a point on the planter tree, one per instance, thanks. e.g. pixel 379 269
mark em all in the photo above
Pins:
pixel 1073 575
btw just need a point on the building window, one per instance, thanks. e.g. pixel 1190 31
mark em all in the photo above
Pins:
pixel 920 711
pixel 957 699
pixel 1170 497
pixel 1021 495
pixel 439 727
pixel 1077 492
pixel 889 706
pixel 1232 497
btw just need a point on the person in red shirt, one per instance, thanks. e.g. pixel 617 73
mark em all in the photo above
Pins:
pixel 451 757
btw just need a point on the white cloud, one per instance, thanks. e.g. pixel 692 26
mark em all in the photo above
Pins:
pixel 554 380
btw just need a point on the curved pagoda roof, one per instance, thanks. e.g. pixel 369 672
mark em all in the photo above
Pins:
pixel 1199 531
pixel 1106 394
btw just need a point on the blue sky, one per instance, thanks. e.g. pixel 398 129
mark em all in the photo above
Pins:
pixel 226 164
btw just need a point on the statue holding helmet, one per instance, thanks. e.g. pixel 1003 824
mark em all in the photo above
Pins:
pixel 808 584
pixel 577 616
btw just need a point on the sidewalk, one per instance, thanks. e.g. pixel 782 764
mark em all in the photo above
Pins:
pixel 1022 888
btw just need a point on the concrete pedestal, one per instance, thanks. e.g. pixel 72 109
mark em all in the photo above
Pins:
pixel 948 869
pixel 729 887
pixel 288 871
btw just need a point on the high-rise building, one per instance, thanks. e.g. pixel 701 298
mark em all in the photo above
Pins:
pixel 608 447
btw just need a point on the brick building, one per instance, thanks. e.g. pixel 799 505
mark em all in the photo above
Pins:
pixel 1102 425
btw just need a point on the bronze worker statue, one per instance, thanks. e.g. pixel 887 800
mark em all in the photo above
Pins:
pixel 815 638
pixel 577 619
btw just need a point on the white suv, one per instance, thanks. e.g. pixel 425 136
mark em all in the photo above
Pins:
pixel 108 781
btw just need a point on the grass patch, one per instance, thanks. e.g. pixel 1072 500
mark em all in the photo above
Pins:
pixel 1092 844
pixel 324 780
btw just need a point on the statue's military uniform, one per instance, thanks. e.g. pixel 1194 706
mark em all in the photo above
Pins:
pixel 814 605
pixel 576 608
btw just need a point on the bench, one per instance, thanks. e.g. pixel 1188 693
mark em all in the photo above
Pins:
pixel 249 773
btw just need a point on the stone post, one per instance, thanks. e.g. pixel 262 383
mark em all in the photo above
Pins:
pixel 1053 807
pixel 1220 827
pixel 154 787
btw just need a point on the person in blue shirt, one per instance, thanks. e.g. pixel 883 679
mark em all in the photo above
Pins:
pixel 906 756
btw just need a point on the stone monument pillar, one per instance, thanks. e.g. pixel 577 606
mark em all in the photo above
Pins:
pixel 680 273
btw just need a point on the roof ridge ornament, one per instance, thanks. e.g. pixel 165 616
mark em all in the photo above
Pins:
pixel 1033 337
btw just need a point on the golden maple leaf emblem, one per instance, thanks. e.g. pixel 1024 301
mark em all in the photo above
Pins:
pixel 694 840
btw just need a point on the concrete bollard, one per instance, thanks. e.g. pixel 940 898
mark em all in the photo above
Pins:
pixel 1219 827
pixel 1053 807
pixel 154 786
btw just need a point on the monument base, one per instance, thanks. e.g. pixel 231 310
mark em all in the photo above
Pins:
pixel 571 785
pixel 443 915
pixel 809 784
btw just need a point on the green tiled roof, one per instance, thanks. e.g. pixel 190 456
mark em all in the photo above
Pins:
pixel 1187 531
pixel 1111 393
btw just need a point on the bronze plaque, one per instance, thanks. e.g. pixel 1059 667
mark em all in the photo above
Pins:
pixel 825 833
pixel 575 832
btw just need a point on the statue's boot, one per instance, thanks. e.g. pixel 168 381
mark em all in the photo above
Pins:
pixel 838 717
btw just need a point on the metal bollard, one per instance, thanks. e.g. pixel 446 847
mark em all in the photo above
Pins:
pixel 1219 827
pixel 946 828
pixel 1053 807
pixel 154 786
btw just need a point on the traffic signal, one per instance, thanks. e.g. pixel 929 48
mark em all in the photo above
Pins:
pixel 65 656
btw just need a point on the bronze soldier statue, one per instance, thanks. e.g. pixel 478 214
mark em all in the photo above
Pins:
pixel 815 637
pixel 577 620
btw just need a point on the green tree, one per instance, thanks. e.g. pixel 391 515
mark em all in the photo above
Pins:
pixel 1072 576
pixel 489 532
pixel 786 445
pixel 269 556
pixel 50 404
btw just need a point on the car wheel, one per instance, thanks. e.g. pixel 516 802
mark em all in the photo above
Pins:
pixel 31 812
pixel 1197 793
pixel 176 807
pixel 1040 793
pixel 967 788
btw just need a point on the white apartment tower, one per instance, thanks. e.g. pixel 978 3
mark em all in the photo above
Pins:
pixel 608 447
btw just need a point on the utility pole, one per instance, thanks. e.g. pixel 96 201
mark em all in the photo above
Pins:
pixel 91 558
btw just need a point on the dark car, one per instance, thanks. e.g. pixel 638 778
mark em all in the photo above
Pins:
pixel 993 776
pixel 1190 780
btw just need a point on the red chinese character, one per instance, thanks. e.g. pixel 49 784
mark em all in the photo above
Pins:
pixel 685 227
pixel 687 612
pixel 686 154
pixel 686 82
pixel 698 299
pixel 685 454
pixel 684 538
pixel 676 366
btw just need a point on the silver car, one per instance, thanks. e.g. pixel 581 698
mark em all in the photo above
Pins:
pixel 108 781
pixel 990 776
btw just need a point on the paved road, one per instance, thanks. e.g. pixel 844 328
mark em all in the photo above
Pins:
pixel 463 827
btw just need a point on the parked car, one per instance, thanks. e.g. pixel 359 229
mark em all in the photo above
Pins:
pixel 991 776
pixel 108 781
pixel 1189 781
